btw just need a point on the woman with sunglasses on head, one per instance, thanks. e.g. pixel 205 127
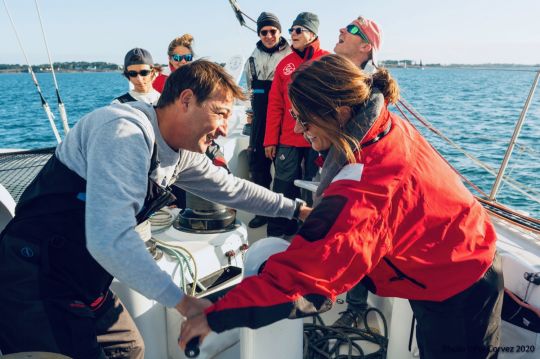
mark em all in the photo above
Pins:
pixel 180 52
pixel 140 71
pixel 291 153
pixel 391 213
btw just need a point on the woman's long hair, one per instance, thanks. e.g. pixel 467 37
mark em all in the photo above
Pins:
pixel 319 88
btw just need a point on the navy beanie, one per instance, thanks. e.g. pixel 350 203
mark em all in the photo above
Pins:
pixel 267 19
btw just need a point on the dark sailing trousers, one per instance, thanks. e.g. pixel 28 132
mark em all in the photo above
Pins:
pixel 357 298
pixel 259 167
pixel 465 326
pixel 33 320
pixel 291 163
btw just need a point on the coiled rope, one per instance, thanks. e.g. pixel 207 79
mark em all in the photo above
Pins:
pixel 185 262
pixel 324 342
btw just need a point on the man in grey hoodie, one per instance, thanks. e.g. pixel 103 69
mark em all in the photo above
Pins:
pixel 74 227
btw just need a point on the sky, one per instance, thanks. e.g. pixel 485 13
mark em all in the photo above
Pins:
pixel 457 31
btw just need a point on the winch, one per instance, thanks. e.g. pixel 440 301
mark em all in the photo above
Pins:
pixel 202 216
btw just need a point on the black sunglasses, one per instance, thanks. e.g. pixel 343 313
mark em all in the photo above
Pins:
pixel 265 32
pixel 303 124
pixel 179 58
pixel 297 30
pixel 143 73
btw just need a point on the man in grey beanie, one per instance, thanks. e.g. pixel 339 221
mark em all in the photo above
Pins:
pixel 307 20
pixel 259 72
pixel 291 152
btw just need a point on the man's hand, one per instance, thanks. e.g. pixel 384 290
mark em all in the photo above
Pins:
pixel 249 117
pixel 270 152
pixel 190 306
pixel 304 212
pixel 196 326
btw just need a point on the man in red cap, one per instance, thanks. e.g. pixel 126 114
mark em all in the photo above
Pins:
pixel 359 42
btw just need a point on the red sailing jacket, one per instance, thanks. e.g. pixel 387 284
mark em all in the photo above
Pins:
pixel 159 82
pixel 400 218
pixel 279 122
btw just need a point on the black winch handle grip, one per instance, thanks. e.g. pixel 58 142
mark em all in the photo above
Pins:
pixel 192 348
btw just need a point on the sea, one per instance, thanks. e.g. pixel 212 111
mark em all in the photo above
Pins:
pixel 475 109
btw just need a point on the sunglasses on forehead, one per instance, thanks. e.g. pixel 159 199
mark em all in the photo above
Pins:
pixel 265 32
pixel 143 73
pixel 297 30
pixel 179 58
pixel 355 30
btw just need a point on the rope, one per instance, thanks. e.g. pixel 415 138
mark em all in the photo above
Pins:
pixel 181 254
pixel 44 103
pixel 523 189
pixel 439 134
pixel 239 17
pixel 61 107
pixel 324 342
pixel 161 220
pixel 246 15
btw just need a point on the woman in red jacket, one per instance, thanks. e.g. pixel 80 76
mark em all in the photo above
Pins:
pixel 391 213
pixel 291 153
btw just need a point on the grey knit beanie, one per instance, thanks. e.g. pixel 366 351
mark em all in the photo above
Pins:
pixel 267 19
pixel 308 20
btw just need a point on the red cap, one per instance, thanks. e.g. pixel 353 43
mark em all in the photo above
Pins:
pixel 372 32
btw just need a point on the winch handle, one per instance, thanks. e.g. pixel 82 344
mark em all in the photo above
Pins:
pixel 192 348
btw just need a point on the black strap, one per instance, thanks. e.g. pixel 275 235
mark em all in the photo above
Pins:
pixel 378 137
pixel 154 162
pixel 252 68
pixel 126 98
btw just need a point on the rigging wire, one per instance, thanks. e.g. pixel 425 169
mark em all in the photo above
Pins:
pixel 61 107
pixel 44 103
pixel 240 15
pixel 523 189
pixel 476 188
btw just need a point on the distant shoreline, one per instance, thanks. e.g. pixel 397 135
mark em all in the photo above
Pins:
pixel 16 68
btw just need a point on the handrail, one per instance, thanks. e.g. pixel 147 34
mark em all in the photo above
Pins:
pixel 512 143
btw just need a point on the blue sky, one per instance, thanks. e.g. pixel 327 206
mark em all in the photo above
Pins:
pixel 458 31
